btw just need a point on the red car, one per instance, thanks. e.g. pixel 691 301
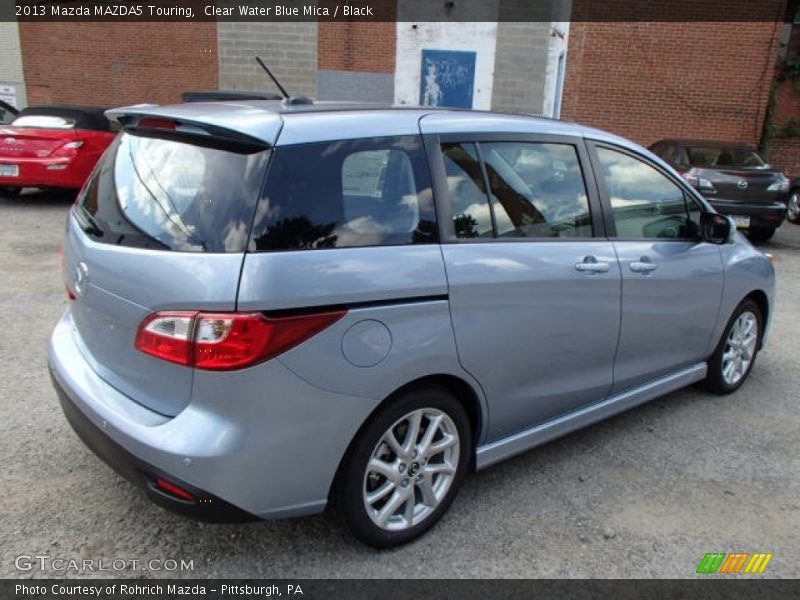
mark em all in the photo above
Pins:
pixel 52 147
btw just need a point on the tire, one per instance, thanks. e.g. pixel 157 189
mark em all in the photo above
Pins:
pixel 407 469
pixel 716 380
pixel 10 192
pixel 761 234
pixel 793 206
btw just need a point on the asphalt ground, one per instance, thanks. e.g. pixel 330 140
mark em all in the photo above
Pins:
pixel 644 494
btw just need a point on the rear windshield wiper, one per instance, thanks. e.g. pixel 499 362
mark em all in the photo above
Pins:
pixel 87 222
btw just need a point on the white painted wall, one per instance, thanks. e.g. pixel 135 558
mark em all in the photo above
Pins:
pixel 556 55
pixel 467 36
pixel 11 62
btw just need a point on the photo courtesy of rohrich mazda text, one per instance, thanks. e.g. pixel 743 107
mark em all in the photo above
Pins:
pixel 320 295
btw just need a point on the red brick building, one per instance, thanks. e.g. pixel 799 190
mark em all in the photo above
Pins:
pixel 108 64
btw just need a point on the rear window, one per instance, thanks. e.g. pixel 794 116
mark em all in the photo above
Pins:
pixel 6 116
pixel 171 195
pixel 709 156
pixel 44 122
pixel 366 192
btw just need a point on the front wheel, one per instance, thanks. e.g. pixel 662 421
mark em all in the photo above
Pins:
pixel 405 468
pixel 793 206
pixel 735 355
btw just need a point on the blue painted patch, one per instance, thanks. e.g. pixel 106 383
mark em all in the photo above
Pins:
pixel 448 77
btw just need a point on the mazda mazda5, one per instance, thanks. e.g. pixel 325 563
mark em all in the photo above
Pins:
pixel 279 307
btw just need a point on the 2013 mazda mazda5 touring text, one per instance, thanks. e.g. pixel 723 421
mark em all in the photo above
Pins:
pixel 277 307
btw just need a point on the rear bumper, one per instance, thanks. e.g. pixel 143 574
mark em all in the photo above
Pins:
pixel 765 215
pixel 46 172
pixel 256 443
pixel 206 507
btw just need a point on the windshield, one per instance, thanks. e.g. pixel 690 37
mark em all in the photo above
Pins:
pixel 163 194
pixel 6 115
pixel 44 122
pixel 724 157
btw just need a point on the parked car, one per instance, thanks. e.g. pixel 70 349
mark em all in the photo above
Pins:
pixel 734 178
pixel 403 296
pixel 7 113
pixel 52 147
pixel 793 202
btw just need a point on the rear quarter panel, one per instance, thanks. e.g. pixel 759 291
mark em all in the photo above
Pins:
pixel 403 287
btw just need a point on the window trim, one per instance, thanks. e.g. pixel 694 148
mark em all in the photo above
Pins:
pixel 444 201
pixel 689 195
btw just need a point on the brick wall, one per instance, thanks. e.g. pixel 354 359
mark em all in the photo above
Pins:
pixel 650 80
pixel 288 49
pixel 785 151
pixel 357 46
pixel 111 64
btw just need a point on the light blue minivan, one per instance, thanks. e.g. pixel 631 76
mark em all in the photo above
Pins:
pixel 278 307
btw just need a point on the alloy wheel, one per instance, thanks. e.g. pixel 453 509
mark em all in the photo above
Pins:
pixel 411 469
pixel 740 348
pixel 792 208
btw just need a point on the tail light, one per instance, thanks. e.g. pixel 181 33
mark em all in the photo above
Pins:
pixel 68 149
pixel 157 123
pixel 174 490
pixel 226 341
pixel 704 185
pixel 782 184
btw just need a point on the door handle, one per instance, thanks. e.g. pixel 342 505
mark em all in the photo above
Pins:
pixel 643 266
pixel 590 265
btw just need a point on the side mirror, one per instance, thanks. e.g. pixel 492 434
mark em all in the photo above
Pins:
pixel 716 228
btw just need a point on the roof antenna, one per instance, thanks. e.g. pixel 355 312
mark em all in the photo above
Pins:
pixel 287 99
pixel 271 76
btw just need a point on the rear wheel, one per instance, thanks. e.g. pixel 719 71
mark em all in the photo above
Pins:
pixel 793 206
pixel 405 468
pixel 10 192
pixel 761 234
pixel 735 355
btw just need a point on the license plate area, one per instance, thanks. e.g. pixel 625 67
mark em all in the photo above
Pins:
pixel 741 221
pixel 9 170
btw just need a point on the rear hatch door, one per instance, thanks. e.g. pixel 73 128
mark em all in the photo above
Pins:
pixel 743 185
pixel 162 224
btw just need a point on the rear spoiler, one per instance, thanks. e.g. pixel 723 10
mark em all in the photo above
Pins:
pixel 144 120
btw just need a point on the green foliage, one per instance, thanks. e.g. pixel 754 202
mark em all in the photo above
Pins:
pixel 791 128
pixel 789 71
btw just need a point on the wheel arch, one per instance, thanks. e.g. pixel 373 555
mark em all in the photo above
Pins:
pixel 761 299
pixel 463 391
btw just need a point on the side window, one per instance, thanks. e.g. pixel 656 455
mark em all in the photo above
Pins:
pixel 537 190
pixel 364 192
pixel 645 203
pixel 472 216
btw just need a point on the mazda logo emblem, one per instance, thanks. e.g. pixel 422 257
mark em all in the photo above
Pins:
pixel 10 140
pixel 741 184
